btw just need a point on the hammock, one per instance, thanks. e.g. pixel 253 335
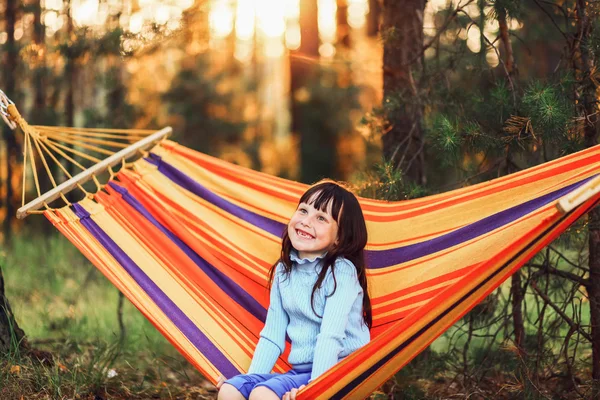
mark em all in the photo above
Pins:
pixel 189 240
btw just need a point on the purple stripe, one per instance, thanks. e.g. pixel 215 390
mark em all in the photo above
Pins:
pixel 178 317
pixel 384 359
pixel 233 290
pixel 380 258
pixel 386 258
pixel 181 179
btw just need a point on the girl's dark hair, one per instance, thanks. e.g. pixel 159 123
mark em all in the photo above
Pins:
pixel 352 239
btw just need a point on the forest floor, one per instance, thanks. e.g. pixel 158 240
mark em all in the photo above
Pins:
pixel 96 372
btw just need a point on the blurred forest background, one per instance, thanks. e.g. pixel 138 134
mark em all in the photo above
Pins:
pixel 401 98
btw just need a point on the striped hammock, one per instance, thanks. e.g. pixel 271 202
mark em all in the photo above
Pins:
pixel 189 240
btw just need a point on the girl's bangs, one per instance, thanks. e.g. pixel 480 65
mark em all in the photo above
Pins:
pixel 319 197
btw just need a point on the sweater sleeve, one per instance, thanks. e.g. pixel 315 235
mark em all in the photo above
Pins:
pixel 272 337
pixel 330 340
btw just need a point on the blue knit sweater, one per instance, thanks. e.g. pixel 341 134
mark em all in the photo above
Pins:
pixel 321 342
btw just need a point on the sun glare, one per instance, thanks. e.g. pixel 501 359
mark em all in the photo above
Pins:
pixel 327 20
pixel 221 18
pixel 357 13
pixel 245 19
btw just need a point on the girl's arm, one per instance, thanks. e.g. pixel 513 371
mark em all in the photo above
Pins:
pixel 330 340
pixel 272 338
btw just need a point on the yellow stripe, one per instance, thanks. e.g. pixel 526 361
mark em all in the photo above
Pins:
pixel 188 303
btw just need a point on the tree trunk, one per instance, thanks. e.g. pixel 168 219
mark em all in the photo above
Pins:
pixel 39 103
pixel 9 79
pixel 587 106
pixel 343 29
pixel 402 32
pixel 509 59
pixel 70 74
pixel 373 18
pixel 11 336
pixel 516 292
pixel 313 145
pixel 516 288
pixel 70 71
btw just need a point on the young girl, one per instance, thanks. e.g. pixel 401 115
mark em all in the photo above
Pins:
pixel 318 297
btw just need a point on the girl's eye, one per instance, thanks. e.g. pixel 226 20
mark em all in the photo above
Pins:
pixel 322 218
pixel 302 210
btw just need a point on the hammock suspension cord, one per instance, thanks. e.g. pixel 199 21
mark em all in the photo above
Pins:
pixel 57 146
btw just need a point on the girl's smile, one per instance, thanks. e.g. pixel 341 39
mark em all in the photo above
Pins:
pixel 312 232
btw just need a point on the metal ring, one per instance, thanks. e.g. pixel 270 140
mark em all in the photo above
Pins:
pixel 4 103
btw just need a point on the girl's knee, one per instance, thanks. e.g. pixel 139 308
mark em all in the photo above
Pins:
pixel 229 392
pixel 263 393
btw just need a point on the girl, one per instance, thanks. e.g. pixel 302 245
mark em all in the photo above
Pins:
pixel 318 297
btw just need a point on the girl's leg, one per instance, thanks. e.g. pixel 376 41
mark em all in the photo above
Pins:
pixel 229 392
pixel 279 385
pixel 263 393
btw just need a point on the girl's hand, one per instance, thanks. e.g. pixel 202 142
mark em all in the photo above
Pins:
pixel 220 381
pixel 291 395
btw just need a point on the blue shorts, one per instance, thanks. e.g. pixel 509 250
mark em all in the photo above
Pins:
pixel 278 383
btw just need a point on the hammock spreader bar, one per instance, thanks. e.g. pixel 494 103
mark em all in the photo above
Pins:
pixel 99 168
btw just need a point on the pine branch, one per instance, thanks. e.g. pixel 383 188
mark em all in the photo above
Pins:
pixel 508 75
pixel 560 312
pixel 552 19
pixel 444 27
pixel 571 263
pixel 563 274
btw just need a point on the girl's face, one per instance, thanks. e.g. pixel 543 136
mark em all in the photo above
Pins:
pixel 311 231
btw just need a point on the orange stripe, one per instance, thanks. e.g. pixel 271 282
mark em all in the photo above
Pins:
pixel 424 285
pixel 179 264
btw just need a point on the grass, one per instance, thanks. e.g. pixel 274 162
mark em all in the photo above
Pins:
pixel 66 307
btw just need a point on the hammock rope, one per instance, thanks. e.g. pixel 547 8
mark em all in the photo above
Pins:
pixel 189 240
pixel 62 143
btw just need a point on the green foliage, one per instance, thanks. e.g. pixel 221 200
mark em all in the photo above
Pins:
pixel 110 42
pixel 502 358
pixel 510 8
pixel 322 110
pixel 550 111
pixel 374 121
pixel 445 139
pixel 386 182
pixel 594 40
pixel 390 35
pixel 114 111
pixel 202 101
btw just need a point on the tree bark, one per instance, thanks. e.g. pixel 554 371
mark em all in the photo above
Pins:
pixel 402 32
pixel 313 144
pixel 516 288
pixel 9 79
pixel 509 59
pixel 516 292
pixel 39 103
pixel 584 64
pixel 70 73
pixel 11 336
pixel 373 18
pixel 343 28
